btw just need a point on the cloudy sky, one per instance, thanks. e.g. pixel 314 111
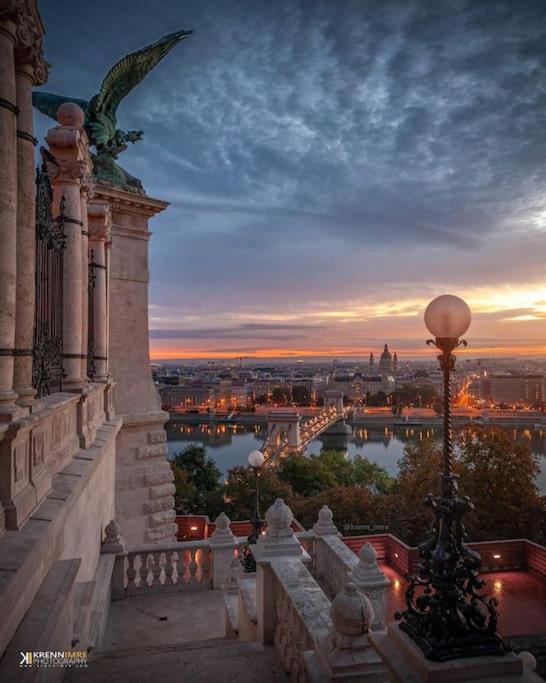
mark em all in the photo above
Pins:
pixel 331 167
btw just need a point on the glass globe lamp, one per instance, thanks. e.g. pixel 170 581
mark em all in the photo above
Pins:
pixel 447 317
pixel 256 459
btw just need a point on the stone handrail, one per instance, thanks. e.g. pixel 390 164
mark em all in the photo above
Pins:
pixel 301 614
pixel 333 562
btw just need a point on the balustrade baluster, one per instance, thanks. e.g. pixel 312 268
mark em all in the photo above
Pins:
pixel 156 568
pixel 193 567
pixel 131 572
pixel 143 571
pixel 169 568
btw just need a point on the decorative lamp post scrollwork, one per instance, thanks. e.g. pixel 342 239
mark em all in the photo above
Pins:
pixel 447 613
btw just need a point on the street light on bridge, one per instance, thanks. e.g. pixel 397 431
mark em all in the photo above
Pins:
pixel 447 615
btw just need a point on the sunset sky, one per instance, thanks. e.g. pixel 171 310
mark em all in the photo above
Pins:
pixel 331 167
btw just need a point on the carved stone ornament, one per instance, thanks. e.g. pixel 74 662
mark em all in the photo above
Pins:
pixel 351 612
pixel 325 525
pixel 222 533
pixel 29 50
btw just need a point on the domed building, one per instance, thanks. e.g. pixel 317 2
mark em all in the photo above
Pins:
pixel 385 361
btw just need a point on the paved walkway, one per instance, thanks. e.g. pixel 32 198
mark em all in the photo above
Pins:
pixel 164 619
pixel 174 638
pixel 210 661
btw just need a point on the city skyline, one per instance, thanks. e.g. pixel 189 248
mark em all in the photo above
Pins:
pixel 331 169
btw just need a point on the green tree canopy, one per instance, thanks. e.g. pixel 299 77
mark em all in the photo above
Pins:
pixel 239 492
pixel 195 475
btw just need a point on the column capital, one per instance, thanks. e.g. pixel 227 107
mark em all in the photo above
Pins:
pixel 99 220
pixel 29 31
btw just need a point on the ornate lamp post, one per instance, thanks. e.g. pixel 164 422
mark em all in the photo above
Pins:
pixel 255 460
pixel 447 614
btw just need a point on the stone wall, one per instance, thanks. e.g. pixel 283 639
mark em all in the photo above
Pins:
pixel 144 488
pixel 68 523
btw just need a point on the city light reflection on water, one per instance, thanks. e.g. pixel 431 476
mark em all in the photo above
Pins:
pixel 230 444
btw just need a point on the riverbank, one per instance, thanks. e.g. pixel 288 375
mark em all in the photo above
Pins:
pixel 518 419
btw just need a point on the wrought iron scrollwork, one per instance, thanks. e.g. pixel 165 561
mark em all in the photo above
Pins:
pixel 92 278
pixel 47 352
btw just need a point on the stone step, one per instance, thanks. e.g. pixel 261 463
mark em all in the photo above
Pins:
pixel 207 661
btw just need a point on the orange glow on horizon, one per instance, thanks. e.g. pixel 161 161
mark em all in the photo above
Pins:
pixel 340 352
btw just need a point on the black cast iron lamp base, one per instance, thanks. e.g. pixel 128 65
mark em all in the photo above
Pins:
pixel 448 615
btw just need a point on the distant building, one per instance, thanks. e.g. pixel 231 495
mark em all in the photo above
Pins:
pixel 511 389
pixel 385 362
pixel 355 386
pixel 180 396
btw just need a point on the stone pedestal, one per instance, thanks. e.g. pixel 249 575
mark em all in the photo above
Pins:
pixel 371 581
pixel 406 662
pixel 325 526
pixel 223 545
pixel 144 480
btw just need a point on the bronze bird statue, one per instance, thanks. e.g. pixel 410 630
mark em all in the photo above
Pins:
pixel 100 111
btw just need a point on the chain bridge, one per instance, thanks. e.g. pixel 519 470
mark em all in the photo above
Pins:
pixel 287 433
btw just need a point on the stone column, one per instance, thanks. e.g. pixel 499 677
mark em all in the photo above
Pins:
pixel 69 145
pixel 30 70
pixel 8 210
pixel 84 195
pixel 100 226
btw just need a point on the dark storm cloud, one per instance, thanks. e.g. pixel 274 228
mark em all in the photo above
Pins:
pixel 314 149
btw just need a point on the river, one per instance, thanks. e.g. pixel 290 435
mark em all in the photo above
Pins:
pixel 230 444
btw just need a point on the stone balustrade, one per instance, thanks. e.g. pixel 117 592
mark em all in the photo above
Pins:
pixel 163 568
pixel 177 566
pixel 34 448
pixel 334 564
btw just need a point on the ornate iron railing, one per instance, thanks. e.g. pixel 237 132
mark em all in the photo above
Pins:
pixel 47 353
pixel 91 369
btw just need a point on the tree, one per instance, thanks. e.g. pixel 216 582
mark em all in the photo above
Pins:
pixel 498 474
pixel 306 476
pixel 239 492
pixel 195 475
pixel 494 471
pixel 356 511
pixel 418 475
pixel 370 475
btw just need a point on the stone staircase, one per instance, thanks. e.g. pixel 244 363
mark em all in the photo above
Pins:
pixel 206 661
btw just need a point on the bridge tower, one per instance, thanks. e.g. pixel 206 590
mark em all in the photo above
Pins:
pixel 333 397
pixel 284 424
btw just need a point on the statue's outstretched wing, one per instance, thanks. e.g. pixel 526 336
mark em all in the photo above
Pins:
pixel 129 72
pixel 48 103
